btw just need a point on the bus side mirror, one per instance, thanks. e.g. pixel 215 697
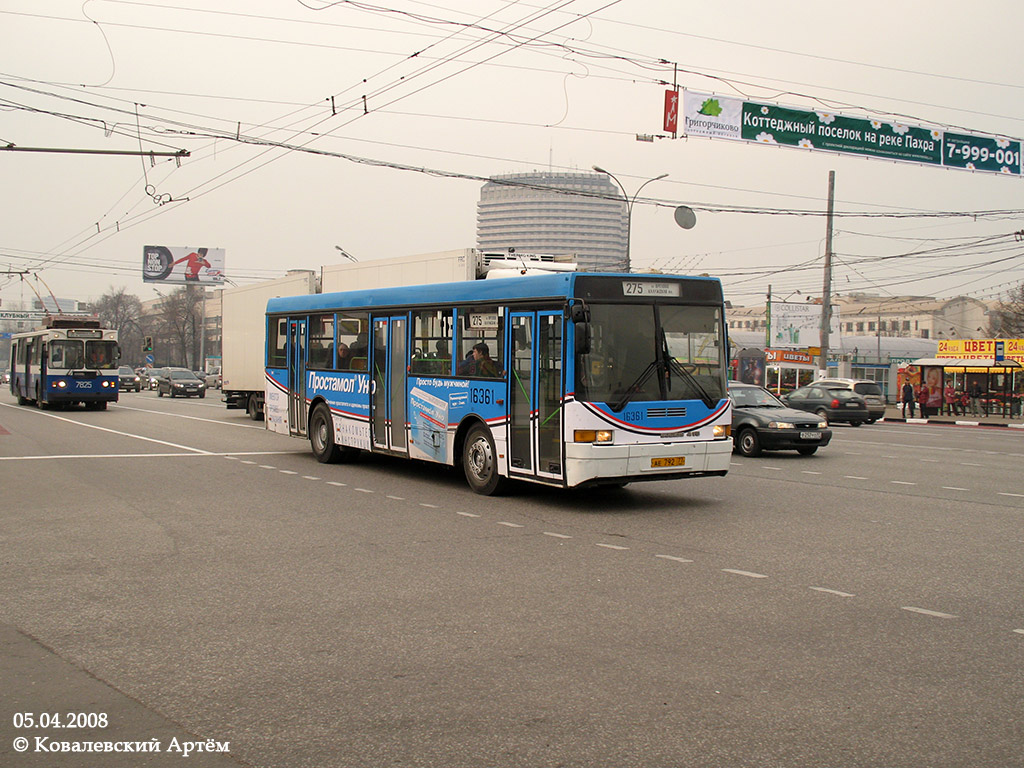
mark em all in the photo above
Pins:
pixel 582 338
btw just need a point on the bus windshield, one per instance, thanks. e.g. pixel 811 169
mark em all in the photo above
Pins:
pixel 66 354
pixel 652 352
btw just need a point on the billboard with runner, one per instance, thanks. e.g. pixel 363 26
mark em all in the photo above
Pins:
pixel 183 266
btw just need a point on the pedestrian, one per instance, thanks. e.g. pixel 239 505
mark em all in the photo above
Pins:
pixel 949 396
pixel 975 394
pixel 907 398
pixel 922 401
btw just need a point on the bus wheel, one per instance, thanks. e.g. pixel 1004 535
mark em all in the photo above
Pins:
pixel 321 436
pixel 479 462
pixel 253 407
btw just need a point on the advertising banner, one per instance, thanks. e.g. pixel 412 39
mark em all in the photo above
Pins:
pixel 725 117
pixel 980 349
pixel 182 266
pixel 798 326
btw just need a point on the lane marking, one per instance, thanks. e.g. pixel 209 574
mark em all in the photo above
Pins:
pixel 557 535
pixel 107 429
pixel 674 558
pixel 510 525
pixel 288 472
pixel 1019 631
pixel 309 477
pixel 248 462
pixel 832 592
pixel 926 612
pixel 612 546
pixel 773 469
pixel 749 574
pixel 395 498
pixel 808 472
pixel 968 464
pixel 233 456
pixel 954 488
pixel 854 477
pixel 467 514
pixel 262 466
pixel 337 484
pixel 1015 495
pixel 901 482
pixel 182 416
pixel 431 506
pixel 362 490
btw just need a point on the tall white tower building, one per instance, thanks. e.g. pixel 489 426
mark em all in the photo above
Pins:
pixel 539 213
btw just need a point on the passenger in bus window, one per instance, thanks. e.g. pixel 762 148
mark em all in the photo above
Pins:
pixel 344 356
pixel 484 365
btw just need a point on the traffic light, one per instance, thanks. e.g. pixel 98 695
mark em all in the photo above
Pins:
pixel 147 344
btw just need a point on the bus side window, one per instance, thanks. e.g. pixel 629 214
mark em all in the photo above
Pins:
pixel 321 342
pixel 431 342
pixel 481 325
pixel 352 349
pixel 276 341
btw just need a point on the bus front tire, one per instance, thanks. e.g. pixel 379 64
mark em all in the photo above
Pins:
pixel 479 463
pixel 321 436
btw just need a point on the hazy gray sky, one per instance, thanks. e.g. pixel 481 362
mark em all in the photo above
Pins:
pixel 566 84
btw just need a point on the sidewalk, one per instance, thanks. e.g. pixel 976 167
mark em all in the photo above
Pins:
pixel 895 413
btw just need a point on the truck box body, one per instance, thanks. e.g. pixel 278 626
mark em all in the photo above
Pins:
pixel 244 337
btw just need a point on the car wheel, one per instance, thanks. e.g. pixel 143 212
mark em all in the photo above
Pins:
pixel 479 463
pixel 872 421
pixel 807 450
pixel 856 423
pixel 748 443
pixel 822 413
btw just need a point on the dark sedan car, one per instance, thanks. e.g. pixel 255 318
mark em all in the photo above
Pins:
pixel 760 422
pixel 180 382
pixel 836 405
pixel 130 381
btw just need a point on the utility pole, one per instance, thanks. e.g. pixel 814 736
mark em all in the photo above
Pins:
pixel 826 291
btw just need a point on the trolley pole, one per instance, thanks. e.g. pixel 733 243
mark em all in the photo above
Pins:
pixel 826 291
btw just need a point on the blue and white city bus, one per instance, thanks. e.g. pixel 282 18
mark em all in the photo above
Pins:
pixel 569 379
pixel 70 360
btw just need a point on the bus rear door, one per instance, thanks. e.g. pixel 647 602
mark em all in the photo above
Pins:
pixel 388 398
pixel 535 395
pixel 297 412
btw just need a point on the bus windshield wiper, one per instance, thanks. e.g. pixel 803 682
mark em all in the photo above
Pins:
pixel 674 366
pixel 633 388
pixel 679 370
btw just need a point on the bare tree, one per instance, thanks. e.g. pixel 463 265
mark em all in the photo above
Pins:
pixel 122 311
pixel 179 314
pixel 1008 319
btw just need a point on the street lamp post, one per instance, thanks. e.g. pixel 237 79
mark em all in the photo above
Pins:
pixel 346 254
pixel 629 205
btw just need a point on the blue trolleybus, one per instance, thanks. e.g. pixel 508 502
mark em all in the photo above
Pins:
pixel 569 379
pixel 68 361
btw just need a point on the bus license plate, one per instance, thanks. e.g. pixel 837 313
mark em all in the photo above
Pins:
pixel 810 435
pixel 669 461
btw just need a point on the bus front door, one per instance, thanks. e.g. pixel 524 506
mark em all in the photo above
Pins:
pixel 535 395
pixel 388 400
pixel 297 378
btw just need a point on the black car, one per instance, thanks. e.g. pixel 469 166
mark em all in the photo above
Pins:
pixel 180 382
pixel 130 381
pixel 834 404
pixel 761 422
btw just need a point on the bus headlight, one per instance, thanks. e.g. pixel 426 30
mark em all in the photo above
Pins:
pixel 721 430
pixel 593 436
pixel 61 384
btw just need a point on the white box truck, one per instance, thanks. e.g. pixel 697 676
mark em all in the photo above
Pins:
pixel 243 337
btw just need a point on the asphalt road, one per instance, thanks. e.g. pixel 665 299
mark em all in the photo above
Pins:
pixel 174 566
